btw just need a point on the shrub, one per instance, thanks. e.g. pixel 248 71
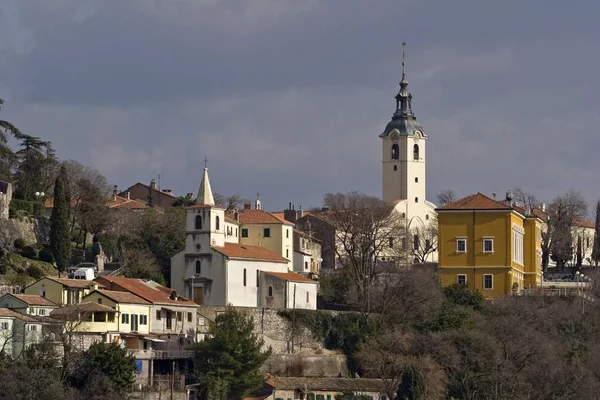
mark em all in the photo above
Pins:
pixel 19 243
pixel 35 272
pixel 46 255
pixel 39 209
pixel 29 252
pixel 20 205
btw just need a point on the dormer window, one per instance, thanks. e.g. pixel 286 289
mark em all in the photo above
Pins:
pixel 395 152
pixel 198 225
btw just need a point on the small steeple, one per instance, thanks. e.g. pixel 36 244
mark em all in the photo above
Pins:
pixel 205 195
pixel 403 98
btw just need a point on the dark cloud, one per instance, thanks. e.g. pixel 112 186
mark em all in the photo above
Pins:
pixel 287 98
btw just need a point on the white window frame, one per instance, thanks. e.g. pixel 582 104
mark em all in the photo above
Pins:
pixel 517 244
pixel 488 240
pixel 458 278
pixel 490 275
pixel 461 240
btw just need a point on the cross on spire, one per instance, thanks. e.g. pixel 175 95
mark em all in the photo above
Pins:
pixel 205 162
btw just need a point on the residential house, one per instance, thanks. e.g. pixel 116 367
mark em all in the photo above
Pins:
pixel 125 201
pixel 18 331
pixel 286 290
pixel 490 246
pixel 61 291
pixel 261 228
pixel 215 269
pixel 30 304
pixel 316 225
pixel 150 195
pixel 309 388
pixel 307 253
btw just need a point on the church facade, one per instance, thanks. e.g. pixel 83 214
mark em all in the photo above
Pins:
pixel 214 268
pixel 404 174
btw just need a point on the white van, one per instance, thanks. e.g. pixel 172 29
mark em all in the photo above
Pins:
pixel 84 273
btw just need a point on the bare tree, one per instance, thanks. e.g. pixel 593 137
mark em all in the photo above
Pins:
pixel 425 241
pixel 525 199
pixel 367 230
pixel 230 202
pixel 563 213
pixel 446 197
pixel 596 245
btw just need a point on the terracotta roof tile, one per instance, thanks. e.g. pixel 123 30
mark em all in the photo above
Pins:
pixel 87 306
pixel 33 300
pixel 290 276
pixel 254 216
pixel 7 312
pixel 122 297
pixel 123 202
pixel 476 201
pixel 244 251
pixel 139 288
pixel 585 224
pixel 75 283
pixel 326 384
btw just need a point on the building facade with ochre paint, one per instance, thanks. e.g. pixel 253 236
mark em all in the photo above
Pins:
pixel 490 246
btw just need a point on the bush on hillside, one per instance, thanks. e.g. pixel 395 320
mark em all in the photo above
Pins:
pixel 17 205
pixel 19 243
pixel 29 252
pixel 35 272
pixel 46 255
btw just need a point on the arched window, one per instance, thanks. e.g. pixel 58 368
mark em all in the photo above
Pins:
pixel 270 291
pixel 217 223
pixel 416 199
pixel 198 267
pixel 244 275
pixel 416 180
pixel 198 222
pixel 416 152
pixel 395 152
pixel 395 168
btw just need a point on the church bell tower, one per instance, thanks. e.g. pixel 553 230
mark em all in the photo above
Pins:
pixel 403 151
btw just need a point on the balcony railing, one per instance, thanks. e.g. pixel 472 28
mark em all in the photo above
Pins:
pixel 161 354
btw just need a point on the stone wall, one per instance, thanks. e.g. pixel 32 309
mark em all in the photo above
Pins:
pixel 29 229
pixel 293 350
pixel 5 198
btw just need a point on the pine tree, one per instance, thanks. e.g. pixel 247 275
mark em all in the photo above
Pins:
pixel 60 232
pixel 596 248
pixel 227 364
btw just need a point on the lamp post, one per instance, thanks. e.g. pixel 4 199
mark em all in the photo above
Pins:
pixel 192 287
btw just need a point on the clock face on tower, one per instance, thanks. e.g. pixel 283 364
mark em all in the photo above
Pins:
pixel 394 135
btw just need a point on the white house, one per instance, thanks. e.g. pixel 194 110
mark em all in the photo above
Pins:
pixel 18 331
pixel 29 304
pixel 214 268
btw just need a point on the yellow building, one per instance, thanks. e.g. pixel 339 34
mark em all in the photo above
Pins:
pixel 61 291
pixel 133 311
pixel 491 246
pixel 261 228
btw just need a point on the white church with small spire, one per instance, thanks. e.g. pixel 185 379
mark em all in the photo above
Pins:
pixel 404 169
pixel 215 269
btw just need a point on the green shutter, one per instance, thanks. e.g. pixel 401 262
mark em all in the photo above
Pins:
pixel 328 397
pixel 310 396
pixel 320 397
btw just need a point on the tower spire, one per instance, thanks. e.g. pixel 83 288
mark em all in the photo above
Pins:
pixel 205 195
pixel 403 98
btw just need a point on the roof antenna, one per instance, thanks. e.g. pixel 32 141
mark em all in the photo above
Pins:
pixel 403 60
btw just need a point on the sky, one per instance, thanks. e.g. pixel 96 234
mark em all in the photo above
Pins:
pixel 286 98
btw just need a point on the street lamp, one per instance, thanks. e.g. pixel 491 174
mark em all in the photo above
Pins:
pixel 192 287
pixel 39 194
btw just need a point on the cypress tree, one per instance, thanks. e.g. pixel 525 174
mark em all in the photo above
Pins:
pixel 596 248
pixel 60 233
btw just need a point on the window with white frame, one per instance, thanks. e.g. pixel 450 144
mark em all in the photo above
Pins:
pixel 461 279
pixel 488 281
pixel 488 245
pixel 517 244
pixel 461 245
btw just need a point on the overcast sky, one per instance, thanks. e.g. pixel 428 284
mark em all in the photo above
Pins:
pixel 288 97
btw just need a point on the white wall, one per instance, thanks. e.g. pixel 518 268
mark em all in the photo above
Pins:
pixel 304 291
pixel 299 262
pixel 242 295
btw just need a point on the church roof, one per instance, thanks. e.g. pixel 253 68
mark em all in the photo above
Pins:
pixel 205 195
pixel 476 201
pixel 244 251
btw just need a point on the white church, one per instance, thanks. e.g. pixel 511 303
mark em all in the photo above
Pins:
pixel 215 269
pixel 403 166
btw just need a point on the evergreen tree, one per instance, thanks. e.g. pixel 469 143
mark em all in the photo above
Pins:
pixel 227 364
pixel 596 248
pixel 411 385
pixel 60 233
pixel 7 157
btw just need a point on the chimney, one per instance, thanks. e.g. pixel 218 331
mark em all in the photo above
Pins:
pixel 236 215
pixel 290 214
pixel 543 207
pixel 509 198
pixel 325 208
pixel 247 205
pixel 128 195
pixel 300 212
pixel 115 192
pixel 153 184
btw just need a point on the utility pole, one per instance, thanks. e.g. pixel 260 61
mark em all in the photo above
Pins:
pixel 293 318
pixel 172 380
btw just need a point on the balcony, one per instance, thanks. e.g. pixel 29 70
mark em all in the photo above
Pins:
pixel 161 354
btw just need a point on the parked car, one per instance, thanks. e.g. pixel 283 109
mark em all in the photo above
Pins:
pixel 85 274
pixel 74 268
